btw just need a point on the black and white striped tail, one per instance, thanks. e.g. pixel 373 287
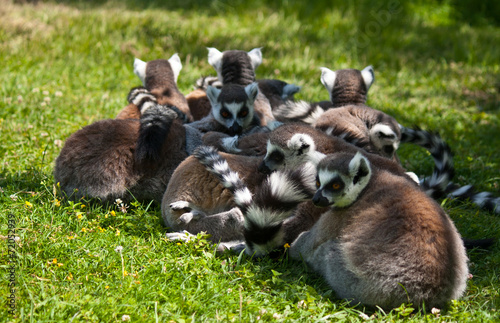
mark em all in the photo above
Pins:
pixel 485 200
pixel 155 122
pixel 298 111
pixel 274 201
pixel 436 184
pixel 205 81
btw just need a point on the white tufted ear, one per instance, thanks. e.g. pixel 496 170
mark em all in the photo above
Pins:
pixel 252 90
pixel 140 70
pixel 213 95
pixel 368 76
pixel 256 57
pixel 359 168
pixel 214 58
pixel 328 78
pixel 176 65
pixel 301 143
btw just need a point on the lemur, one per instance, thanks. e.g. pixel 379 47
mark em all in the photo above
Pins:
pixel 238 67
pixel 195 201
pixel 105 160
pixel 159 77
pixel 380 241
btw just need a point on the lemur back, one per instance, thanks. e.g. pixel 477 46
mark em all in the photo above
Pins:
pixel 159 77
pixel 114 158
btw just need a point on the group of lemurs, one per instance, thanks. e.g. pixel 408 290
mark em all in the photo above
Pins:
pixel 241 160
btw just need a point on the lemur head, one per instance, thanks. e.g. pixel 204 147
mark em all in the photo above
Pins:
pixel 385 139
pixel 288 149
pixel 232 106
pixel 235 66
pixel 341 177
pixel 348 86
pixel 156 73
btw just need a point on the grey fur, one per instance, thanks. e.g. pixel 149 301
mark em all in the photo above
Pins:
pixel 403 248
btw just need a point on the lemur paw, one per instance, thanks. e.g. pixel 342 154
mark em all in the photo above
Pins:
pixel 180 205
pixel 180 236
pixel 190 216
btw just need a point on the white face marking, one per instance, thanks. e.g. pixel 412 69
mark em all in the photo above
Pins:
pixel 176 65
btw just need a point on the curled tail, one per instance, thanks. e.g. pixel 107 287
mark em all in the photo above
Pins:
pixel 274 201
pixel 436 184
pixel 155 122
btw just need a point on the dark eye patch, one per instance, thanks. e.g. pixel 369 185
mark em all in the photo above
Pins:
pixel 276 157
pixel 243 113
pixel 225 113
pixel 335 185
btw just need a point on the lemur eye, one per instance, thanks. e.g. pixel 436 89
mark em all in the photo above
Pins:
pixel 318 184
pixel 243 113
pixel 225 114
pixel 336 186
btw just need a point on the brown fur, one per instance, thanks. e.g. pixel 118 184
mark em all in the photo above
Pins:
pixel 354 122
pixel 160 81
pixel 199 104
pixel 393 245
pixel 208 198
pixel 98 162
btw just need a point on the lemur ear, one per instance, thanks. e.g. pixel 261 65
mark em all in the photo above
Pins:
pixel 176 65
pixel 213 95
pixel 328 78
pixel 301 143
pixel 140 70
pixel 256 57
pixel 359 167
pixel 214 58
pixel 252 90
pixel 368 76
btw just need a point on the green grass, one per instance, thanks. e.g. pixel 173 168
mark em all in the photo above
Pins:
pixel 66 64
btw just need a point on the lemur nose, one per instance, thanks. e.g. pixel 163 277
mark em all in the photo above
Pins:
pixel 320 200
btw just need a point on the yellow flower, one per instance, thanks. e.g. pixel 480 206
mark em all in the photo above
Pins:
pixel 59 264
pixel 54 261
pixel 106 286
pixel 70 276
pixel 117 232
pixel 71 237
pixel 28 204
pixel 113 213
pixel 84 229
pixel 82 206
pixel 79 216
pixel 286 246
pixel 57 202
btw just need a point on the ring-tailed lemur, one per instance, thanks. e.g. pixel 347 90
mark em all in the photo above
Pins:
pixel 345 87
pixel 381 241
pixel 125 158
pixel 159 77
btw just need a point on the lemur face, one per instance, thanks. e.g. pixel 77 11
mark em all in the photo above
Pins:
pixel 289 154
pixel 340 179
pixel 232 106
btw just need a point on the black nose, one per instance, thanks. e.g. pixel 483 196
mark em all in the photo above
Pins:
pixel 320 200
pixel 235 129
pixel 263 168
